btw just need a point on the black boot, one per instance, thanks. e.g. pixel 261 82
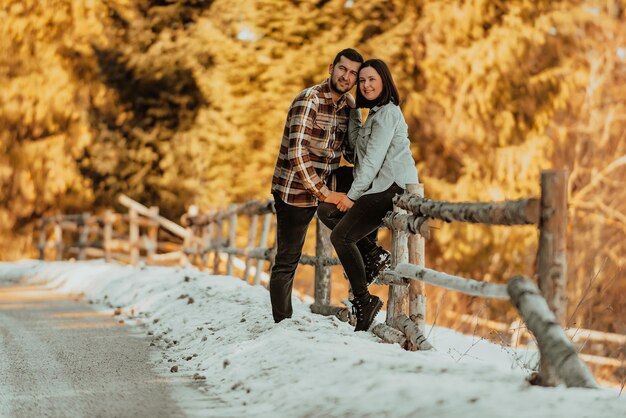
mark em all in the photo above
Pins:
pixel 365 308
pixel 376 262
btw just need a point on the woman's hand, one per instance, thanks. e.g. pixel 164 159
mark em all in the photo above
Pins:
pixel 344 203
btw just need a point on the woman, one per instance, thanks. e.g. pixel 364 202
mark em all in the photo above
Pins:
pixel 383 167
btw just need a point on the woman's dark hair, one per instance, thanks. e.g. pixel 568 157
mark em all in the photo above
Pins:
pixel 389 92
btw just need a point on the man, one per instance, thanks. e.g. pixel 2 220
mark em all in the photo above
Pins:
pixel 315 135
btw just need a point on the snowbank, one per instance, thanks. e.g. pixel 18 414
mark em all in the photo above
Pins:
pixel 220 329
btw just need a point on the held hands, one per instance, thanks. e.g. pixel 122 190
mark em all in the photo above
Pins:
pixel 334 197
pixel 344 203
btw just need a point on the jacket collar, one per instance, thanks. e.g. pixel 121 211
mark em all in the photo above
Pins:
pixel 376 109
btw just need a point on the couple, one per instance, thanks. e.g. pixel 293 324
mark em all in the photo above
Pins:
pixel 324 122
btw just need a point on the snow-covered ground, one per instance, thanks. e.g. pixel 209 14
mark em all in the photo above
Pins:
pixel 220 329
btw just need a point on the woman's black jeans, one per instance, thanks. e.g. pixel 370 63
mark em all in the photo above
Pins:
pixel 351 227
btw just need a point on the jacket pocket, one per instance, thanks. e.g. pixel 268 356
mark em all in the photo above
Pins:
pixel 365 131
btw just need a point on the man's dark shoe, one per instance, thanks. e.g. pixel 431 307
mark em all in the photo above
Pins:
pixel 365 308
pixel 376 262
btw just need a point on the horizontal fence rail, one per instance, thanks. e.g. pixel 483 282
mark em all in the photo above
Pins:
pixel 405 271
pixel 516 212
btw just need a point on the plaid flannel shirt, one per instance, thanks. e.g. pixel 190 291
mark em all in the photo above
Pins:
pixel 315 136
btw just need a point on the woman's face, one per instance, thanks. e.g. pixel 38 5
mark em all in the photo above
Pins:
pixel 370 83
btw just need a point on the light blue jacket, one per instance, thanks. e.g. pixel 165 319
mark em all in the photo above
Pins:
pixel 382 152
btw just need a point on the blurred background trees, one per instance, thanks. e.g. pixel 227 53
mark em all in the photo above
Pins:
pixel 182 102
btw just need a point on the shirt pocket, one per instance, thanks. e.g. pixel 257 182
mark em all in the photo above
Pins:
pixel 323 126
pixel 365 130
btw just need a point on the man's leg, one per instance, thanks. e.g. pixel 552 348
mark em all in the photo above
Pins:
pixel 292 223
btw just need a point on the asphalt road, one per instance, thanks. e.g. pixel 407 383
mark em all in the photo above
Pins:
pixel 61 358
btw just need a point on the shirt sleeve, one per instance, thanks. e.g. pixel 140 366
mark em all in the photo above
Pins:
pixel 354 124
pixel 383 129
pixel 302 115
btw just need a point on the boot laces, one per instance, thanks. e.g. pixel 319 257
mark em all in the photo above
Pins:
pixel 357 309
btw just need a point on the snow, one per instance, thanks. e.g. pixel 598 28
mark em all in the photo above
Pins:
pixel 221 328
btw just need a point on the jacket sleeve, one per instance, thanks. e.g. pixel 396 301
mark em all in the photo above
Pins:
pixel 383 129
pixel 349 144
pixel 302 115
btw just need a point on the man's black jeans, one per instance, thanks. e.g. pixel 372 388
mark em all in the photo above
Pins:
pixel 351 229
pixel 292 222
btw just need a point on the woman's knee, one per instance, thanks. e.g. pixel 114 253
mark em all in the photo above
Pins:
pixel 329 215
pixel 334 238
pixel 339 238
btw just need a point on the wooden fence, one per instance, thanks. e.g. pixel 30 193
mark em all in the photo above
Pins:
pixel 542 310
pixel 205 240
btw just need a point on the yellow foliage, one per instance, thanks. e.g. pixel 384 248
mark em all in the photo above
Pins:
pixel 179 103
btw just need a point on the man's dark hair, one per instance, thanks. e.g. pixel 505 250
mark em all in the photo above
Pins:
pixel 389 93
pixel 349 53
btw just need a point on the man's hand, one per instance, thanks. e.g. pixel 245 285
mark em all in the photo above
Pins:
pixel 344 203
pixel 334 197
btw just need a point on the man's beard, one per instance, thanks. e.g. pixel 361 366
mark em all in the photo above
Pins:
pixel 334 87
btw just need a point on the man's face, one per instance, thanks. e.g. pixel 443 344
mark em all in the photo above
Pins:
pixel 343 75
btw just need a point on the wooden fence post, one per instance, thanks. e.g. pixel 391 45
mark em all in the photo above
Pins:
pixel 133 236
pixel 41 246
pixel 83 235
pixel 272 253
pixel 232 239
pixel 396 303
pixel 265 232
pixel 186 250
pixel 108 235
pixel 153 233
pixel 555 347
pixel 207 234
pixel 417 256
pixel 322 272
pixel 251 242
pixel 552 255
pixel 58 238
pixel 219 230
